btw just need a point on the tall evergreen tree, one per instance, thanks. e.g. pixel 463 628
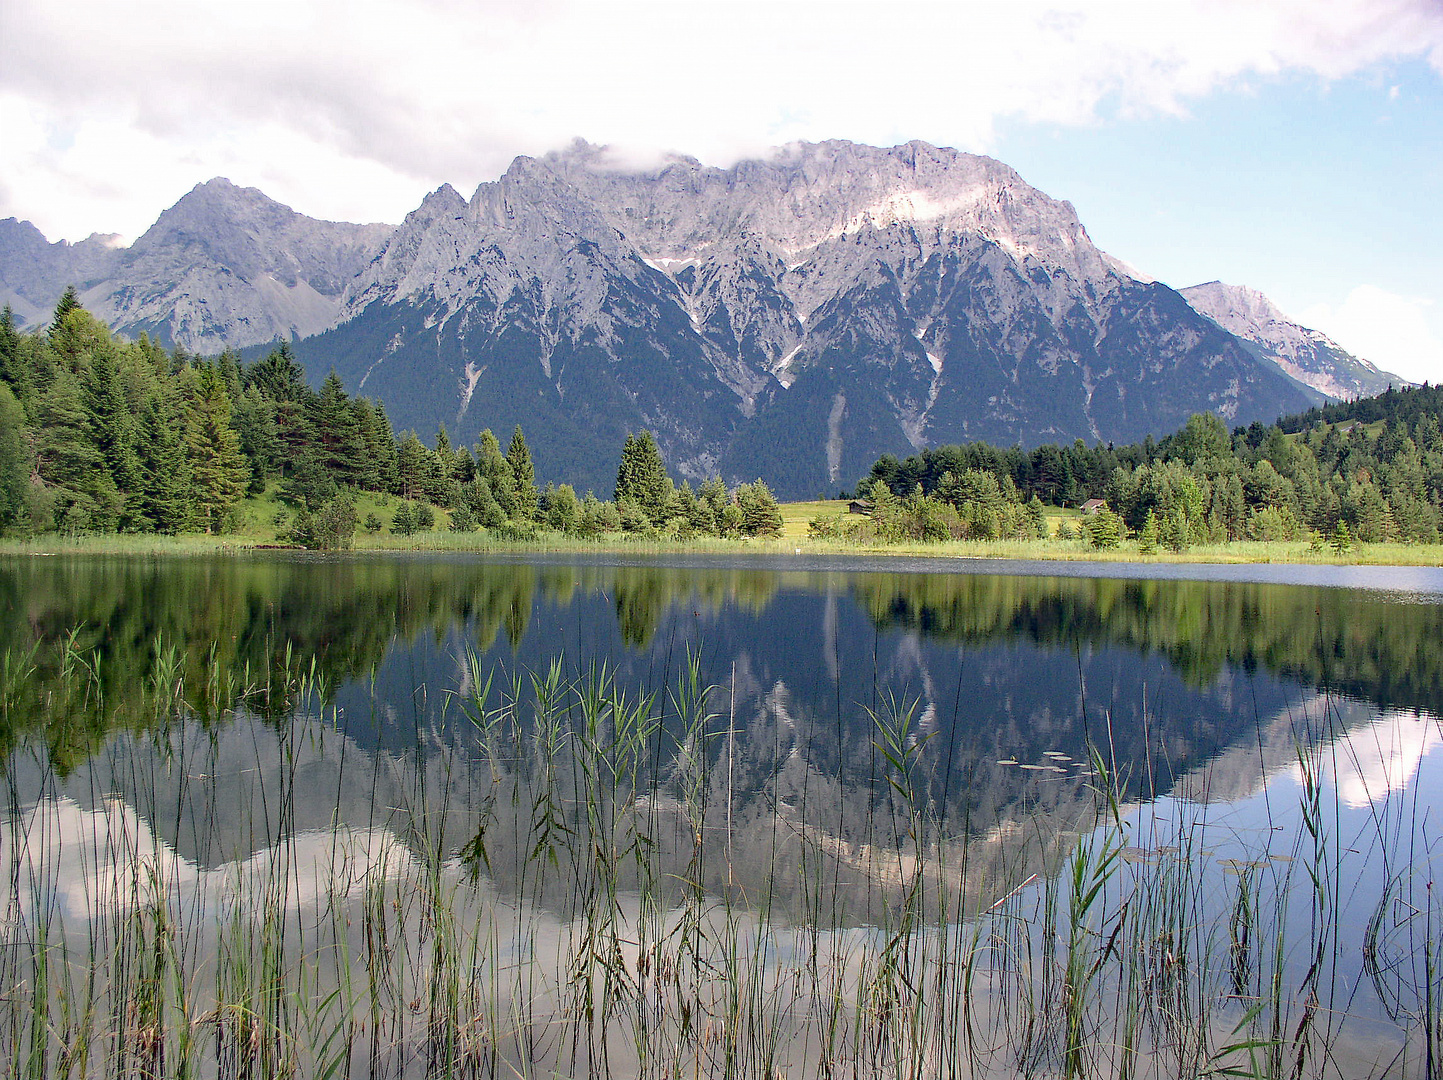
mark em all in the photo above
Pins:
pixel 339 443
pixel 68 462
pixel 254 419
pixel 642 478
pixel 114 433
pixel 213 447
pixel 9 345
pixel 381 446
pixel 280 376
pixel 69 301
pixel 415 467
pixel 164 465
pixel 523 476
pixel 14 459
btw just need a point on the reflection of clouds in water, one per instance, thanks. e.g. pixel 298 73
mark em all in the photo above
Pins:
pixel 910 656
pixel 1368 764
pixel 89 863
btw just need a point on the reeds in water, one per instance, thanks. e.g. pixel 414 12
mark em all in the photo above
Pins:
pixel 580 887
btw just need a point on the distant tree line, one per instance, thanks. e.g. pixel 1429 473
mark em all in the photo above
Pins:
pixel 1368 470
pixel 102 435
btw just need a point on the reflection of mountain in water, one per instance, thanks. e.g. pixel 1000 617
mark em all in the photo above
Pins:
pixel 1008 681
pixel 1362 754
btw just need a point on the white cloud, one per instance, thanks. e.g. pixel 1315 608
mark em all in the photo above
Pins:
pixel 1400 334
pixel 353 110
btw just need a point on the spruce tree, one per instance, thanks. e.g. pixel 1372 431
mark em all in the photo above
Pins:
pixel 218 469
pixel 14 459
pixel 760 515
pixel 113 430
pixel 280 376
pixel 523 476
pixel 9 345
pixel 381 446
pixel 68 462
pixel 641 477
pixel 339 443
pixel 69 301
pixel 414 466
pixel 164 466
pixel 254 418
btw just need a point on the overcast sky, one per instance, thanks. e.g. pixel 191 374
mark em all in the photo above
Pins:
pixel 1292 145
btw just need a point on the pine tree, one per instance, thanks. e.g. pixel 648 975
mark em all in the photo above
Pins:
pixel 14 459
pixel 523 476
pixel 219 470
pixel 164 467
pixel 642 478
pixel 339 443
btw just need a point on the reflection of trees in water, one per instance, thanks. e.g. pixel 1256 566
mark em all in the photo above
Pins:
pixel 1368 646
pixel 93 635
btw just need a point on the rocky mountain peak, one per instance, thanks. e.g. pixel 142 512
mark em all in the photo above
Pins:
pixel 1307 355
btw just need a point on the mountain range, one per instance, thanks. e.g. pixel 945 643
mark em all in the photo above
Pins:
pixel 791 317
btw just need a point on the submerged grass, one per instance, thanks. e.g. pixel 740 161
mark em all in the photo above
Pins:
pixel 579 889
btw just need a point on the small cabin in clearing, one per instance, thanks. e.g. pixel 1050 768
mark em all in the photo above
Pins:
pixel 1092 506
pixel 859 506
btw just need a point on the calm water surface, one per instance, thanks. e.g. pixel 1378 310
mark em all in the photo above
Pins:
pixel 1255 719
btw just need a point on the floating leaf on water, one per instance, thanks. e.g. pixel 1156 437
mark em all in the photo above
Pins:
pixel 1057 754
pixel 1008 761
pixel 1139 855
pixel 1281 858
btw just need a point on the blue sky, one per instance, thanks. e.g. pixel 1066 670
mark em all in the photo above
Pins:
pixel 1303 188
pixel 1289 145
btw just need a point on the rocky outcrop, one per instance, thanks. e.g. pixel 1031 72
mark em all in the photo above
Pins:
pixel 791 317
pixel 1307 355
pixel 225 266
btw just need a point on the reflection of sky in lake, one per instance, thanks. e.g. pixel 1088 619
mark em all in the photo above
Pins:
pixel 1359 809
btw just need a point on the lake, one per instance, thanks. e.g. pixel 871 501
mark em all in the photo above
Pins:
pixel 438 815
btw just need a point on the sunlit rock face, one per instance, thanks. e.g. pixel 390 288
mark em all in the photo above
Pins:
pixel 226 266
pixel 1307 355
pixel 793 316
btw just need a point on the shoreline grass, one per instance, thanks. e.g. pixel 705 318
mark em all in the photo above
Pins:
pixel 256 535
pixel 1237 553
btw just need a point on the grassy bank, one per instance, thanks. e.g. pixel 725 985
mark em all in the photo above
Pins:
pixel 262 519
